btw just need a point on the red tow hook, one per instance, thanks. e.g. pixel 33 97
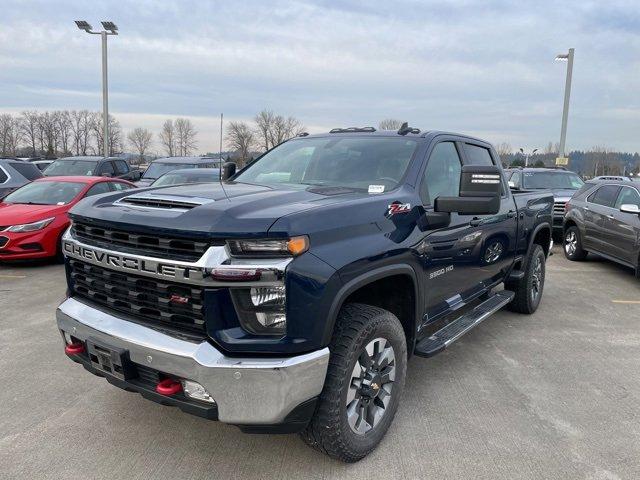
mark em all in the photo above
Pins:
pixel 74 348
pixel 168 386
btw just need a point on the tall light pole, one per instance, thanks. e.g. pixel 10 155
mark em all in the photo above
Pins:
pixel 527 155
pixel 110 28
pixel 565 57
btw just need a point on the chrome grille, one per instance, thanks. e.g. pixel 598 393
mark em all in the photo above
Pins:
pixel 558 209
pixel 153 302
pixel 147 245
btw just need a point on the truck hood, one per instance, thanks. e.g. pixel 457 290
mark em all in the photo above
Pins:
pixel 208 210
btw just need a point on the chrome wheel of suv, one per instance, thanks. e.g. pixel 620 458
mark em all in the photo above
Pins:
pixel 371 386
pixel 570 242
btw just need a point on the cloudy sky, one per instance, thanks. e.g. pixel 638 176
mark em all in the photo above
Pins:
pixel 485 68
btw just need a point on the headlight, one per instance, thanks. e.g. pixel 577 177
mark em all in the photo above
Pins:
pixel 269 248
pixel 261 310
pixel 31 227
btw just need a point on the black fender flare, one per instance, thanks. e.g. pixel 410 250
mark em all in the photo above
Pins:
pixel 364 279
pixel 538 229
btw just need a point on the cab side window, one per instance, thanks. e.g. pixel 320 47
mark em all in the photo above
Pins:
pixel 106 169
pixel 442 175
pixel 628 196
pixel 121 167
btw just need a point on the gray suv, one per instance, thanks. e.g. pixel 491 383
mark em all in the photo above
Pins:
pixel 604 218
pixel 14 174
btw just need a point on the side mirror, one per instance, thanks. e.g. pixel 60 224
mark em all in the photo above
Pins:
pixel 630 208
pixel 480 190
pixel 228 170
pixel 512 184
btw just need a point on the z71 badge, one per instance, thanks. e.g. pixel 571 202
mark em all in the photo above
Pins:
pixel 399 208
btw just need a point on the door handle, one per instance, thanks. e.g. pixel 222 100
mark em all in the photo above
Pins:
pixel 587 209
pixel 611 217
pixel 474 222
pixel 511 214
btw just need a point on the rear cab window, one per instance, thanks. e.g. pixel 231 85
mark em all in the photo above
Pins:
pixel 3 176
pixel 477 155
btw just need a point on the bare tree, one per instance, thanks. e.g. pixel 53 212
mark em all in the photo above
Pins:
pixel 284 128
pixel 140 139
pixel 48 133
pixel 9 134
pixel 168 138
pixel 186 135
pixel 552 148
pixel 504 149
pixel 64 131
pixel 264 127
pixel 80 131
pixel 240 137
pixel 390 124
pixel 30 127
pixel 115 134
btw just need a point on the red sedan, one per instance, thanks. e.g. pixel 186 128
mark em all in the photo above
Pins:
pixel 34 217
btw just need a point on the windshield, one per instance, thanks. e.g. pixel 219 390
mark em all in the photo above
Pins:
pixel 552 180
pixel 175 178
pixel 156 170
pixel 70 168
pixel 368 163
pixel 45 193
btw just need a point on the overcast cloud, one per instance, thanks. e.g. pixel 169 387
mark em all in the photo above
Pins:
pixel 484 68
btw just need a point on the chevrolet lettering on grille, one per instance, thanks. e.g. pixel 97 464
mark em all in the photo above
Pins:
pixel 128 263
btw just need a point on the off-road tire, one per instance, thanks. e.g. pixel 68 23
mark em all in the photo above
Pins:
pixel 577 253
pixel 524 301
pixel 329 430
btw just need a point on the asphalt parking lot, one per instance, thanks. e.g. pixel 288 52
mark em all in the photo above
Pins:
pixel 551 396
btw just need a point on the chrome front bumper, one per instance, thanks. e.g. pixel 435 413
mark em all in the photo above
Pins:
pixel 249 391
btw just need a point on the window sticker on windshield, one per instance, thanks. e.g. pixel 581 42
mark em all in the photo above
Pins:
pixel 376 188
pixel 60 203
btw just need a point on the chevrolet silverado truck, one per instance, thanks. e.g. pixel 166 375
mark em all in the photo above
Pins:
pixel 289 296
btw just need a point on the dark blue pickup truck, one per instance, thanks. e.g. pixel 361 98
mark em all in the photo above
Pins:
pixel 289 296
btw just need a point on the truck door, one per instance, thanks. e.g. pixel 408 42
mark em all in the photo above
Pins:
pixel 460 260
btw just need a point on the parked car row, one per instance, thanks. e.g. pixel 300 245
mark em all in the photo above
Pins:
pixel 33 207
pixel 603 217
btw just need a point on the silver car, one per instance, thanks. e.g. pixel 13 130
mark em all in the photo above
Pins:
pixel 16 173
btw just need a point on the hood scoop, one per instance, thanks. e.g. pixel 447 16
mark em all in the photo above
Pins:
pixel 162 202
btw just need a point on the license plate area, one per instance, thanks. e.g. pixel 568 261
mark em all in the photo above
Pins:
pixel 110 360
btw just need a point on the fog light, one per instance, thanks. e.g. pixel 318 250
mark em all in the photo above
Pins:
pixel 195 390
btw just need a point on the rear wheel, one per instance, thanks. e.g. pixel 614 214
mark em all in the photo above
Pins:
pixel 572 245
pixel 528 289
pixel 364 382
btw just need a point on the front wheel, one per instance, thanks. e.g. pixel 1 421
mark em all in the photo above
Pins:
pixel 365 379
